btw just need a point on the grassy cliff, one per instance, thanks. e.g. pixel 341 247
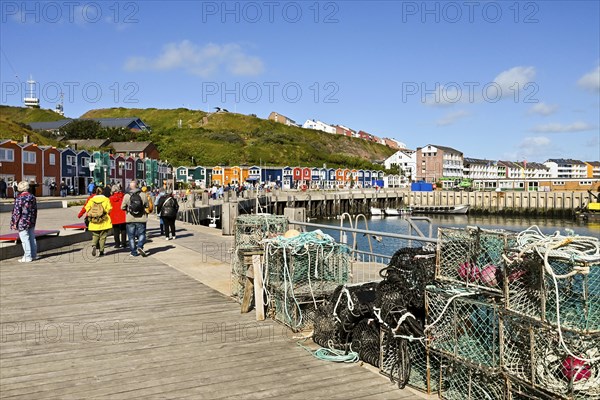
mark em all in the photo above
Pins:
pixel 228 138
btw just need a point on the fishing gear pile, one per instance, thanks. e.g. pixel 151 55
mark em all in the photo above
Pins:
pixel 250 231
pixel 301 270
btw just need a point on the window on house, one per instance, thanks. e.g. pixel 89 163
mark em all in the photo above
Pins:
pixel 71 160
pixel 128 166
pixel 7 155
pixel 85 161
pixel 52 159
pixel 29 157
pixel 140 167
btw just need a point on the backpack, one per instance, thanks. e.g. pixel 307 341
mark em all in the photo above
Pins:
pixel 96 213
pixel 136 205
pixel 150 205
pixel 169 208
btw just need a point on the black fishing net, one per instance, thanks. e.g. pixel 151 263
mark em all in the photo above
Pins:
pixel 365 340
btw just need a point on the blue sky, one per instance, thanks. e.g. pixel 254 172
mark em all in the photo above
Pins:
pixel 497 80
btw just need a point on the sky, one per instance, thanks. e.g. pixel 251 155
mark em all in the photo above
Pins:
pixel 502 80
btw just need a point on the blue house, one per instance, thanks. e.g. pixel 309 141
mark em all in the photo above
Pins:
pixel 68 166
pixel 254 175
pixel 272 175
pixel 288 177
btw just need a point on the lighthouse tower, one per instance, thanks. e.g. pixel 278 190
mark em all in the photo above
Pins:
pixel 30 100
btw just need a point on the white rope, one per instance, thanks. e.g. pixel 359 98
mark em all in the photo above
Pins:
pixel 582 250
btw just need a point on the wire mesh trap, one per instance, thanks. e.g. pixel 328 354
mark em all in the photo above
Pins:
pixel 464 325
pixel 365 341
pixel 533 353
pixel 460 381
pixel 519 391
pixel 250 231
pixel 409 363
pixel 473 257
pixel 296 314
pixel 574 295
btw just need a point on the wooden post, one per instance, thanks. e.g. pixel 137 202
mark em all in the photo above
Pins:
pixel 258 288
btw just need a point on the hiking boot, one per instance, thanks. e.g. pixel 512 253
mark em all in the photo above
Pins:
pixel 141 252
pixel 93 251
pixel 101 254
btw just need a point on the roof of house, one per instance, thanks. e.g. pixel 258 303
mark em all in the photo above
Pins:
pixel 447 149
pixel 89 143
pixel 565 161
pixel 50 125
pixel 118 122
pixel 469 160
pixel 594 163
pixel 127 147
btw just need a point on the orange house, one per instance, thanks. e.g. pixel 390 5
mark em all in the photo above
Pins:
pixel 10 163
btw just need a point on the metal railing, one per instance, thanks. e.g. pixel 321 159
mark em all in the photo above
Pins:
pixel 365 265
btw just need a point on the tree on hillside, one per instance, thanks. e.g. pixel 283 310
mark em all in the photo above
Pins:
pixel 82 129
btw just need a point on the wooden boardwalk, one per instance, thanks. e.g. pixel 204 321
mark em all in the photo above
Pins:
pixel 74 327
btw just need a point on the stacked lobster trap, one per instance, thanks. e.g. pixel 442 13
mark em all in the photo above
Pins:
pixel 551 323
pixel 516 315
pixel 300 272
pixel 250 231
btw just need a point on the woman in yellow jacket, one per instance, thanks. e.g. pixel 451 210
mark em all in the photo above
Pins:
pixel 100 223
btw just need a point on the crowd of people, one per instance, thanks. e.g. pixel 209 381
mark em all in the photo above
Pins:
pixel 107 209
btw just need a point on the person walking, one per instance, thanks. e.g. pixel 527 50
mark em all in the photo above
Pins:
pixel 98 214
pixel 91 188
pixel 15 189
pixel 160 194
pixel 83 210
pixel 3 187
pixel 23 219
pixel 63 189
pixel 135 203
pixel 167 208
pixel 117 217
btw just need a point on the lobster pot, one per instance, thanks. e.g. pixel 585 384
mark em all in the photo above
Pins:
pixel 460 381
pixel 250 230
pixel 313 269
pixel 298 314
pixel 473 257
pixel 520 391
pixel 401 359
pixel 532 354
pixel 532 291
pixel 365 341
pixel 467 327
pixel 328 331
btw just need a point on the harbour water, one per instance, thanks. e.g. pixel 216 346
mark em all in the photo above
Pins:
pixel 387 245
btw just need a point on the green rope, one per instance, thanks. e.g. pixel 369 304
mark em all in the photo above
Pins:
pixel 333 355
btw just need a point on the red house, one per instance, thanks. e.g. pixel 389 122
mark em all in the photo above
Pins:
pixel 306 174
pixel 51 171
pixel 297 173
pixel 10 163
pixel 129 171
pixel 32 165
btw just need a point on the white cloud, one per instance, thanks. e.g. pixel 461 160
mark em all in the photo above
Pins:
pixel 532 148
pixel 507 84
pixel 202 61
pixel 514 80
pixel 452 117
pixel 543 109
pixel 591 80
pixel 557 127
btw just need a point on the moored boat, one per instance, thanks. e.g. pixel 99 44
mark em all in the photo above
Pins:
pixel 456 209
pixel 376 211
pixel 392 211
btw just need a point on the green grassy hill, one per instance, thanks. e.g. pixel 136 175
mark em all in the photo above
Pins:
pixel 14 120
pixel 228 138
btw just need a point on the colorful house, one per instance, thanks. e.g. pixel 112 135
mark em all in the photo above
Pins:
pixel 84 176
pixel 11 162
pixel 68 167
pixel 50 169
pixel 32 165
pixel 288 177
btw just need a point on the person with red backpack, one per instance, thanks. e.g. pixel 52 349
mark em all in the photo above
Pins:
pixel 117 216
pixel 98 209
